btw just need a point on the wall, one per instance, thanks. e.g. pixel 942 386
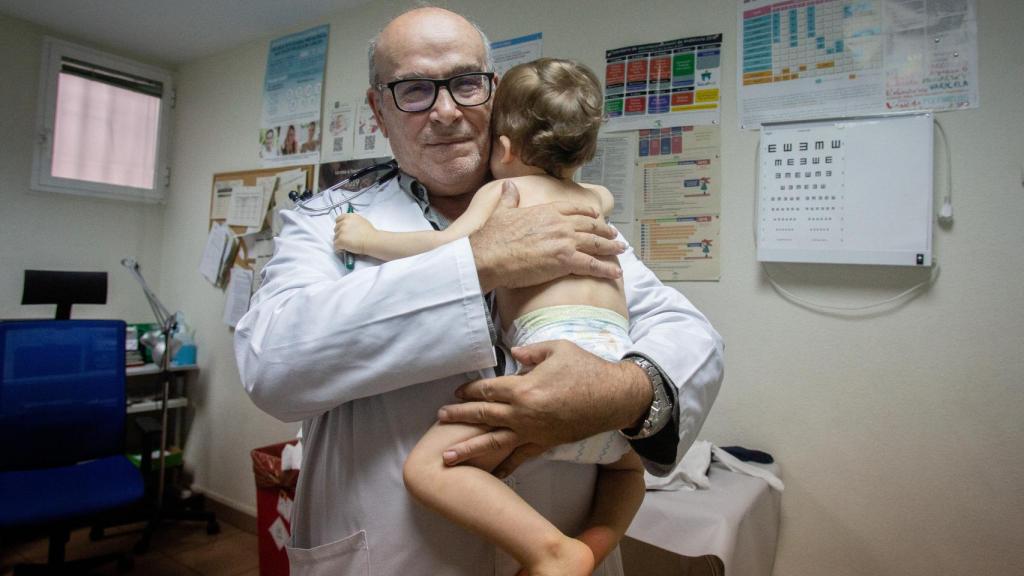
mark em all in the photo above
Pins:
pixel 56 231
pixel 899 432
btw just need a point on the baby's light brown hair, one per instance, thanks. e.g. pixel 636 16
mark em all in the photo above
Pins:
pixel 551 110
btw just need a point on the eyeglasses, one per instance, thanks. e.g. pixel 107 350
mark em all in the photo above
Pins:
pixel 419 94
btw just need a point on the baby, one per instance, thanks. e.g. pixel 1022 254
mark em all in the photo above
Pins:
pixel 544 126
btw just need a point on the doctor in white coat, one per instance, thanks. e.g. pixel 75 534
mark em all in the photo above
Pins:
pixel 365 358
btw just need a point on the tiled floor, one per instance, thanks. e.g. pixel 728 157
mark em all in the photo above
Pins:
pixel 177 549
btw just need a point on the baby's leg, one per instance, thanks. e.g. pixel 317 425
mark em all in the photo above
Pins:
pixel 617 497
pixel 473 498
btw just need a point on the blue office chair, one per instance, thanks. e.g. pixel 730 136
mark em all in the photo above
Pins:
pixel 62 417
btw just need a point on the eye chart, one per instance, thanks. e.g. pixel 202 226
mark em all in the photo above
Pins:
pixel 851 191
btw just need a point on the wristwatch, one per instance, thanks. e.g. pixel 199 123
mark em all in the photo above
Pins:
pixel 661 404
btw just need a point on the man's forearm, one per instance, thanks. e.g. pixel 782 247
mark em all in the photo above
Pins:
pixel 637 395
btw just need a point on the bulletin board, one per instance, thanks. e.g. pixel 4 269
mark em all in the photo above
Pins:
pixel 249 178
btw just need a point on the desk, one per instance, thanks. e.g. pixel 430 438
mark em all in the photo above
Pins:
pixel 736 519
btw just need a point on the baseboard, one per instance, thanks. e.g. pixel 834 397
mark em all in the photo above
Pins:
pixel 227 510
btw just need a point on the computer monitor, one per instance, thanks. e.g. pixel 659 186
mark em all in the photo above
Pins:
pixel 64 289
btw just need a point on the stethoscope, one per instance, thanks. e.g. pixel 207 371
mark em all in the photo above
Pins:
pixel 302 201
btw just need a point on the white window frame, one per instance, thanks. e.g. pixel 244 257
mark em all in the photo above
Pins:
pixel 54 51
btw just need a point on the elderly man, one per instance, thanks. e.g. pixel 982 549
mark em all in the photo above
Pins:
pixel 367 357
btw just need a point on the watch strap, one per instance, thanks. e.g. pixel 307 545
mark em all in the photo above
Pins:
pixel 660 410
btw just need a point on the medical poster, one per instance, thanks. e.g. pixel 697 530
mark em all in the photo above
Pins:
pixel 663 83
pixel 290 128
pixel 613 167
pixel 339 139
pixel 668 195
pixel 802 59
pixel 679 201
pixel 515 51
pixel 370 141
pixel 681 248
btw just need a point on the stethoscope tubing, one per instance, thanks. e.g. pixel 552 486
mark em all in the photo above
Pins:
pixel 303 205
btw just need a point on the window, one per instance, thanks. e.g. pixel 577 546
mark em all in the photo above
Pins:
pixel 102 126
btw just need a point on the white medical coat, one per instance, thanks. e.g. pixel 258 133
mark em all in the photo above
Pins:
pixel 366 357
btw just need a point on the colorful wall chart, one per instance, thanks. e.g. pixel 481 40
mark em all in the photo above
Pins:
pixel 679 188
pixel 663 83
pixel 802 59
pixel 667 184
pixel 681 248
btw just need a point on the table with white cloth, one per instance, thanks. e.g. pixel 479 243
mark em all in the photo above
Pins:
pixel 736 520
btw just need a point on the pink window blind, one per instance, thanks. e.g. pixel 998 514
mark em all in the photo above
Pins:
pixel 103 133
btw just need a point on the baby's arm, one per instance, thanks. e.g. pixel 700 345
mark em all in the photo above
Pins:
pixel 355 234
pixel 619 492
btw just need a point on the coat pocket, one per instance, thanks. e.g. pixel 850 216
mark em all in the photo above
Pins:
pixel 349 557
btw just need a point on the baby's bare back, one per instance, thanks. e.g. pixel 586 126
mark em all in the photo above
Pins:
pixel 571 290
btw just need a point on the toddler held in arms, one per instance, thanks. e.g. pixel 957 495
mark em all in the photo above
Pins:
pixel 544 126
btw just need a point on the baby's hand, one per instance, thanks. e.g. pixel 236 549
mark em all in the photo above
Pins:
pixel 351 232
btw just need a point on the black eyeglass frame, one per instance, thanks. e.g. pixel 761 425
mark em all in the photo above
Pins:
pixel 438 84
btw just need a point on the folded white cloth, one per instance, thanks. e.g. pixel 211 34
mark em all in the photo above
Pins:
pixel 736 465
pixel 692 471
pixel 690 474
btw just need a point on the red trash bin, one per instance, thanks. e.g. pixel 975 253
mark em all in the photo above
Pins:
pixel 275 492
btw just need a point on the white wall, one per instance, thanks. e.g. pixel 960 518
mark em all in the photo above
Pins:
pixel 56 231
pixel 899 433
pixel 218 100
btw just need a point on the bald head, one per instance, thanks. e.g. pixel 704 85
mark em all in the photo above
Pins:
pixel 385 48
pixel 445 147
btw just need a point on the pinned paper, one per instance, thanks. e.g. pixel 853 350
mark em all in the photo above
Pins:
pixel 266 186
pixel 291 181
pixel 244 207
pixel 222 198
pixel 261 251
pixel 216 254
pixel 238 292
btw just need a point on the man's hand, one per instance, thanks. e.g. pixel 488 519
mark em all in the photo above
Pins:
pixel 520 247
pixel 351 232
pixel 569 395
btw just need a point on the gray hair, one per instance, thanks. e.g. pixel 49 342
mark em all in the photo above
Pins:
pixel 372 49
